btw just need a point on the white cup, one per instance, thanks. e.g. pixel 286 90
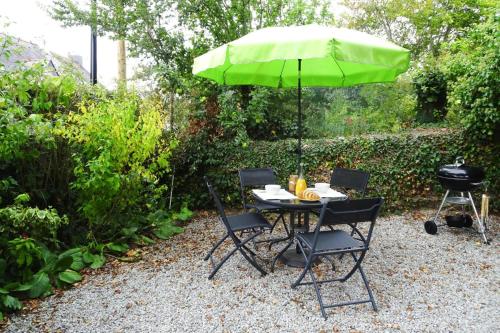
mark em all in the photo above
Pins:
pixel 272 188
pixel 322 187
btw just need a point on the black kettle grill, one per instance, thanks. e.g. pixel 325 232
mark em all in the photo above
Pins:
pixel 459 179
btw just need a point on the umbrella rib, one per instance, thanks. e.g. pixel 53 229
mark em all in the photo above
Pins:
pixel 340 68
pixel 224 75
pixel 280 83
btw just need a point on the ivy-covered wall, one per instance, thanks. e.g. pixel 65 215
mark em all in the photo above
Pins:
pixel 402 167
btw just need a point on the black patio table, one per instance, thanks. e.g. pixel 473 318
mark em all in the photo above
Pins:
pixel 297 208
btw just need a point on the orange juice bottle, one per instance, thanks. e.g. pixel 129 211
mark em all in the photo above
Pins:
pixel 301 185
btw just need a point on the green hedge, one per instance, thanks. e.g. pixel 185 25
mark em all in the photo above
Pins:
pixel 402 167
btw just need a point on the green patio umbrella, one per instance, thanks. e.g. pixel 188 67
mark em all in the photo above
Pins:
pixel 303 56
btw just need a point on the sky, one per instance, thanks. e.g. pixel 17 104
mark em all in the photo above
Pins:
pixel 29 21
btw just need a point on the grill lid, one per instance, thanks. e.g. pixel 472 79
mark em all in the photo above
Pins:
pixel 461 171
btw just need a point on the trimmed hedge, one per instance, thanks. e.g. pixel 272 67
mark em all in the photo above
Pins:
pixel 402 167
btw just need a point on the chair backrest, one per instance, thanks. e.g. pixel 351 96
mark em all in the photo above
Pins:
pixel 350 212
pixel 219 206
pixel 255 177
pixel 350 179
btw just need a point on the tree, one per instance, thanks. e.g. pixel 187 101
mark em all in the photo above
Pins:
pixel 107 17
pixel 215 22
pixel 421 26
pixel 472 67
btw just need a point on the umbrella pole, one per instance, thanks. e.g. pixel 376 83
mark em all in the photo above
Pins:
pixel 299 106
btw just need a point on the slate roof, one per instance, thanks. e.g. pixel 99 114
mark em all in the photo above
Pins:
pixel 23 52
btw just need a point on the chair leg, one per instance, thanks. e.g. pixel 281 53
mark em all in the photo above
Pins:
pixel 287 230
pixel 284 225
pixel 241 247
pixel 209 254
pixel 316 283
pixel 252 261
pixel 280 254
pixel 250 251
pixel 330 260
pixel 280 217
pixel 367 286
pixel 356 266
pixel 276 240
pixel 318 292
pixel 306 267
pixel 219 265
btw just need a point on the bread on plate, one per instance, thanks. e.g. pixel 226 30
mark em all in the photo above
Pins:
pixel 310 195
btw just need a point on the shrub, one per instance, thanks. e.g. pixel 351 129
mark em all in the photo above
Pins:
pixel 41 224
pixel 431 91
pixel 472 65
pixel 119 157
pixel 402 167
pixel 78 166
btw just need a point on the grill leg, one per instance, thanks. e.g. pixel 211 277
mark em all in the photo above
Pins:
pixel 479 221
pixel 441 206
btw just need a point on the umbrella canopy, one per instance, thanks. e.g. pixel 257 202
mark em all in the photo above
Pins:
pixel 309 55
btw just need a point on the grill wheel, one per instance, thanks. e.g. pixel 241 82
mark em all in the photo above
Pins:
pixel 430 227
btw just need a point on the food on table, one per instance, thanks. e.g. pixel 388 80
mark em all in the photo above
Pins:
pixel 310 195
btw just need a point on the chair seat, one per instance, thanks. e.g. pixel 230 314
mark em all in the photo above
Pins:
pixel 331 241
pixel 247 221
pixel 262 207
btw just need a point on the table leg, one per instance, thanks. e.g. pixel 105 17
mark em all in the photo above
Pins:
pixel 293 257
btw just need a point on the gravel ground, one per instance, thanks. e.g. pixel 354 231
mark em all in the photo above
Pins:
pixel 422 283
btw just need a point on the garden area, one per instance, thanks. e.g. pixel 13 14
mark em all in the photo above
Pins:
pixel 106 216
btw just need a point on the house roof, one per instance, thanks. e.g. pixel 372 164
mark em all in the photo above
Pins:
pixel 28 53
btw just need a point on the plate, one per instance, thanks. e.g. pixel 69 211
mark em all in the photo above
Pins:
pixel 308 200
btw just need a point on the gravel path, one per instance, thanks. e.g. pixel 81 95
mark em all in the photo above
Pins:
pixel 422 283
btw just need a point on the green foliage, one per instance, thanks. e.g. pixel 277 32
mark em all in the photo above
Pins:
pixel 25 251
pixel 28 270
pixel 23 99
pixel 119 158
pixel 164 223
pixel 462 83
pixel 377 108
pixel 41 224
pixel 402 167
pixel 420 26
pixel 215 22
pixel 472 65
pixel 431 90
pixel 69 277
pixel 68 148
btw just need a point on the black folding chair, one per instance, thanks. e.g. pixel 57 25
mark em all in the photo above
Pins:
pixel 260 177
pixel 350 179
pixel 323 243
pixel 254 222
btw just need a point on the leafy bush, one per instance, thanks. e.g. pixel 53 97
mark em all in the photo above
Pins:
pixel 79 166
pixel 375 108
pixel 431 91
pixel 462 83
pixel 41 224
pixel 21 102
pixel 472 66
pixel 119 157
pixel 28 270
pixel 402 167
